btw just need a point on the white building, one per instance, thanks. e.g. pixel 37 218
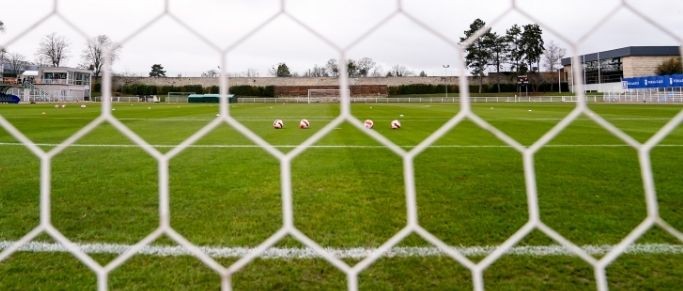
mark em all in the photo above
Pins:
pixel 58 84
pixel 50 84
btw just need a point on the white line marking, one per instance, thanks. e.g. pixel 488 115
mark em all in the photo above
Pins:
pixel 351 253
pixel 323 146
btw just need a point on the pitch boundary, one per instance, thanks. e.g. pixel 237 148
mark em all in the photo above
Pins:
pixel 347 253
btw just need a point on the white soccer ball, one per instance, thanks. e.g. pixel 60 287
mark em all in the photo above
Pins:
pixel 368 123
pixel 63 105
pixel 83 106
pixel 278 124
pixel 395 124
pixel 304 124
pixel 56 106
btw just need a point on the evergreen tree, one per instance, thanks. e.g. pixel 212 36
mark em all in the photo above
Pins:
pixel 479 52
pixel 157 71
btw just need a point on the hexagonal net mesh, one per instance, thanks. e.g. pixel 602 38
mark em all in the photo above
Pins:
pixel 285 159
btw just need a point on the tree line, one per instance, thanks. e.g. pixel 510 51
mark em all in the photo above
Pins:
pixel 53 50
pixel 519 49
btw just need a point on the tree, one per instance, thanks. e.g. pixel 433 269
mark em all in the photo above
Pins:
pixel 3 52
pixel 210 74
pixel 553 56
pixel 399 71
pixel 93 54
pixel 423 74
pixel 2 26
pixel 352 68
pixel 16 63
pixel 282 70
pixel 365 66
pixel 515 49
pixel 332 67
pixel 251 73
pixel 670 67
pixel 316 71
pixel 53 49
pixel 479 52
pixel 532 45
pixel 157 71
pixel 377 72
pixel 499 53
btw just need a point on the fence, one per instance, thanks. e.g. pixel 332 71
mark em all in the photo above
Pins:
pixel 510 99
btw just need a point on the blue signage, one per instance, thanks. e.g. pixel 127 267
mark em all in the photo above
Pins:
pixel 653 82
pixel 676 80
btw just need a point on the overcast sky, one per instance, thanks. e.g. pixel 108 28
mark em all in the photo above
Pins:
pixel 399 41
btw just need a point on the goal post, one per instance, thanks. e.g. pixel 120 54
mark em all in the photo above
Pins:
pixel 178 97
pixel 324 95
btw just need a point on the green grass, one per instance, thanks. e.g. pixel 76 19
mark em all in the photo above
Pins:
pixel 343 196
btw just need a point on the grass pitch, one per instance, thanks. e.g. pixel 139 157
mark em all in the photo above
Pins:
pixel 348 192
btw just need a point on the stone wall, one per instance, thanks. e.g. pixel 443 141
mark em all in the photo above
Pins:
pixel 642 66
pixel 325 81
pixel 273 81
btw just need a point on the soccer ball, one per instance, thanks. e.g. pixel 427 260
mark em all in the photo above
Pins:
pixel 395 124
pixel 304 124
pixel 368 123
pixel 278 124
pixel 83 106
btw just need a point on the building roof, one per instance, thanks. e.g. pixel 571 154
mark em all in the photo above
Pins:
pixel 63 69
pixel 630 51
pixel 30 73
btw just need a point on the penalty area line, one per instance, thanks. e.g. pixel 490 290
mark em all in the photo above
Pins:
pixel 350 253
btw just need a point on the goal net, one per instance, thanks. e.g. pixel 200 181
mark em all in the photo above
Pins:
pixel 178 97
pixel 324 95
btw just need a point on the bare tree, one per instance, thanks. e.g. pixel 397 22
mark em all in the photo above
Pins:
pixel 332 67
pixel 377 71
pixel 210 74
pixel 365 66
pixel 552 56
pixel 2 26
pixel 3 52
pixel 93 54
pixel 16 63
pixel 316 71
pixel 251 73
pixel 400 71
pixel 53 49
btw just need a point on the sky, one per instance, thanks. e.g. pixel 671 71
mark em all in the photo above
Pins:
pixel 257 35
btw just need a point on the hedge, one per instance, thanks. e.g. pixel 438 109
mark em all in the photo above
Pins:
pixel 474 88
pixel 242 90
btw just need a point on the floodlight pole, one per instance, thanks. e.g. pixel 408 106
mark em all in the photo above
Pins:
pixel 445 74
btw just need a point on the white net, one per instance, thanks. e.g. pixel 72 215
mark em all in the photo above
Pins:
pixel 412 226
pixel 324 95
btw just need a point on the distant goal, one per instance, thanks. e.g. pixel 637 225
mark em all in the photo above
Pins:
pixel 324 95
pixel 178 97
